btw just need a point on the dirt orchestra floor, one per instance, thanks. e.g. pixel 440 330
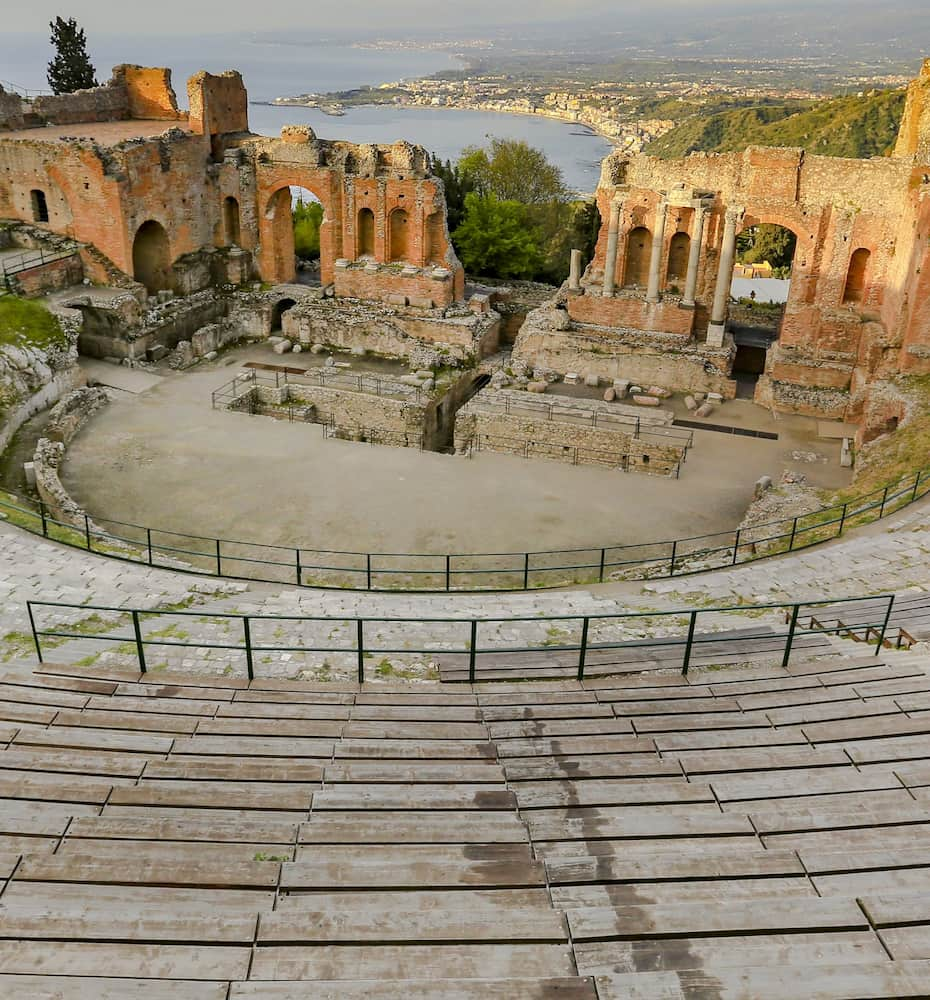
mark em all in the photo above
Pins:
pixel 162 457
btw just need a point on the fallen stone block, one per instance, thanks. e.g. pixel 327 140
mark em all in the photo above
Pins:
pixel 621 387
pixel 282 347
pixel 297 349
pixel 646 400
pixel 658 392
pixel 420 302
pixel 610 395
pixel 275 340
pixel 537 386
pixel 29 470
pixel 213 355
pixel 846 457
pixel 691 402
pixel 318 349
pixel 635 390
pixel 571 377
pixel 714 397
pixel 704 410
pixel 592 380
pixel 157 352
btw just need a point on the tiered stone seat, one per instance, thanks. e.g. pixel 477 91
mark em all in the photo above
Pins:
pixel 742 833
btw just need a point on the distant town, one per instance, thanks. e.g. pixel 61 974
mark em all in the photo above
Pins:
pixel 629 114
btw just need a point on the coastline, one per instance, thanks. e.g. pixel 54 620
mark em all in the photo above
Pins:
pixel 590 126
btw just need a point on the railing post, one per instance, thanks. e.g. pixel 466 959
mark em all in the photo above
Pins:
pixel 916 486
pixel 881 637
pixel 140 652
pixel 148 543
pixel 297 566
pixel 360 649
pixel 794 531
pixel 842 520
pixel 44 516
pixel 219 564
pixel 583 651
pixel 248 647
pixel 600 572
pixel 881 509
pixel 472 650
pixel 526 571
pixel 448 572
pixel 671 566
pixel 35 635
pixel 87 533
pixel 736 547
pixel 368 570
pixel 689 642
pixel 791 629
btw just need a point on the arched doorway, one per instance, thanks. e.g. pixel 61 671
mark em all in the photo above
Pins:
pixel 277 314
pixel 231 229
pixel 398 227
pixel 292 231
pixel 365 233
pixel 638 254
pixel 760 291
pixel 678 250
pixel 39 205
pixel 151 257
pixel 435 239
pixel 856 277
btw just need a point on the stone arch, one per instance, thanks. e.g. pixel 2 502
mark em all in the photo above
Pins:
pixel 638 254
pixel 678 250
pixel 231 225
pixel 398 234
pixel 856 276
pixel 151 257
pixel 39 204
pixel 435 238
pixel 277 314
pixel 365 233
pixel 276 230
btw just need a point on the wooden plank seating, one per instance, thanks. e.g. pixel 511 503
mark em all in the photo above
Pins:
pixel 746 832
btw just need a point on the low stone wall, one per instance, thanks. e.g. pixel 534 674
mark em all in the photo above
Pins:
pixel 632 311
pixel 550 341
pixel 391 331
pixel 354 413
pixel 97 104
pixel 424 288
pixel 65 420
pixel 54 276
pixel 484 429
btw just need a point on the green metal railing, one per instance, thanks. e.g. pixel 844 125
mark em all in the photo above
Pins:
pixel 436 572
pixel 574 648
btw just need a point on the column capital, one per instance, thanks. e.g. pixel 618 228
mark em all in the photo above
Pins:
pixel 735 213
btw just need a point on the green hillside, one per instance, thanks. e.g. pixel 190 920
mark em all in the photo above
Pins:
pixel 844 126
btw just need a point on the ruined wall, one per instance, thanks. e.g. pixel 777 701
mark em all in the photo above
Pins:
pixel 108 103
pixel 51 277
pixel 914 134
pixel 11 110
pixel 218 103
pixel 632 312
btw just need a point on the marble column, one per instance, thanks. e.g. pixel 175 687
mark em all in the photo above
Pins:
pixel 574 274
pixel 718 315
pixel 658 247
pixel 613 234
pixel 694 256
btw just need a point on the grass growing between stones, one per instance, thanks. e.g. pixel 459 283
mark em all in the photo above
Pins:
pixel 24 323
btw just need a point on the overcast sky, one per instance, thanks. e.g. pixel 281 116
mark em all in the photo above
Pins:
pixel 395 18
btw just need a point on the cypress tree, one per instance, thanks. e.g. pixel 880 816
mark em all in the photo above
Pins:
pixel 71 68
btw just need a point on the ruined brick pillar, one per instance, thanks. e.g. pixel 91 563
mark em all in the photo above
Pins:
pixel 914 134
pixel 574 276
pixel 718 315
pixel 613 231
pixel 694 255
pixel 655 261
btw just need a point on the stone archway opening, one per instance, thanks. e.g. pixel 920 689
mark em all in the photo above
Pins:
pixel 761 287
pixel 679 248
pixel 231 224
pixel 636 260
pixel 297 218
pixel 365 233
pixel 857 276
pixel 151 257
pixel 399 235
pixel 39 205
pixel 277 314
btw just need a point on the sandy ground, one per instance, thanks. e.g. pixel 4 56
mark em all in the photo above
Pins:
pixel 163 457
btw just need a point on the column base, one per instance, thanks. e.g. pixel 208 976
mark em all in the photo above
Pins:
pixel 715 333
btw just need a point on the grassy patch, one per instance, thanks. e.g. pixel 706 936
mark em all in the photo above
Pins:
pixel 25 323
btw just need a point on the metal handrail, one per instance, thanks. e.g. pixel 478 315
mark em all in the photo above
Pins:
pixel 688 640
pixel 509 570
pixel 32 258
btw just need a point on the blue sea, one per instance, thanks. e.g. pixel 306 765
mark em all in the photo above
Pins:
pixel 275 67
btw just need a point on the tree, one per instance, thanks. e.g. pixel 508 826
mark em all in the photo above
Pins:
pixel 456 187
pixel 767 242
pixel 511 170
pixel 71 68
pixel 307 219
pixel 497 238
